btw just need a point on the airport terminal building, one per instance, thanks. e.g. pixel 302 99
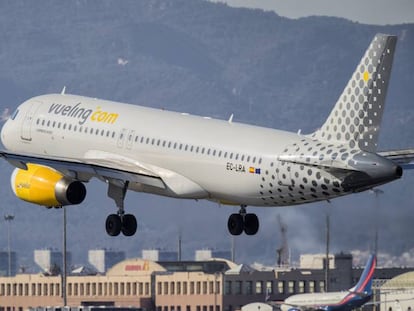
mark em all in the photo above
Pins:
pixel 212 285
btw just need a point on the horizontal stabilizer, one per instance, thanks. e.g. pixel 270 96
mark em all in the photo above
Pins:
pixel 402 157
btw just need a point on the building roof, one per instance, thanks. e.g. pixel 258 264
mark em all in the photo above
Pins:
pixel 402 280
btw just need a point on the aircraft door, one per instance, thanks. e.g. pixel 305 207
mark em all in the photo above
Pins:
pixel 26 129
pixel 121 138
pixel 130 139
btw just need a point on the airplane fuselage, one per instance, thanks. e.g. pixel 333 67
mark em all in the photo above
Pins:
pixel 333 301
pixel 204 158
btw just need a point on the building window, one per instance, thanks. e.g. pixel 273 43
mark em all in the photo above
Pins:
pixel 172 288
pixel 291 287
pixel 238 287
pixel 281 287
pixel 259 287
pixel 211 287
pixel 159 288
pixel 248 287
pixel 198 288
pixel 147 291
pixel 322 286
pixel 165 288
pixel 269 287
pixel 301 286
pixel 191 288
pixel 218 291
pixel 227 288
pixel 311 285
pixel 178 288
pixel 204 287
pixel 184 288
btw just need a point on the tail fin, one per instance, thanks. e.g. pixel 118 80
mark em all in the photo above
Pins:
pixel 365 282
pixel 356 117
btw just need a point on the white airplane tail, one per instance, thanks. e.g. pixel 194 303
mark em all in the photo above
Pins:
pixel 355 120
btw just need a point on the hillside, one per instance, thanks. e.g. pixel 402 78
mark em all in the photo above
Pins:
pixel 208 59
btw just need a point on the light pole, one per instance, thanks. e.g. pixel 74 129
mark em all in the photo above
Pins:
pixel 8 218
pixel 377 192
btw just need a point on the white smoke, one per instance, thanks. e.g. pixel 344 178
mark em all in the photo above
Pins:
pixel 122 62
pixel 5 115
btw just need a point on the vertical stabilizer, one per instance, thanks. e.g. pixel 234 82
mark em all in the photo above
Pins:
pixel 356 117
pixel 364 285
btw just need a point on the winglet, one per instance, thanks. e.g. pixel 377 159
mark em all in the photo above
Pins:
pixel 231 119
pixel 63 90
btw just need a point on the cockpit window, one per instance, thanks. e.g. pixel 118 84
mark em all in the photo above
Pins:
pixel 13 116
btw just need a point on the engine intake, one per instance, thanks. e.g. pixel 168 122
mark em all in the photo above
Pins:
pixel 45 186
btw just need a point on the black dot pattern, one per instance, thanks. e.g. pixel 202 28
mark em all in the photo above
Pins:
pixel 356 117
pixel 291 182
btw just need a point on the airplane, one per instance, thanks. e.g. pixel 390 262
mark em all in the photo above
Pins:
pixel 58 142
pixel 354 298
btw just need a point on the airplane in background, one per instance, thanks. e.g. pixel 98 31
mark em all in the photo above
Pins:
pixel 354 298
pixel 58 142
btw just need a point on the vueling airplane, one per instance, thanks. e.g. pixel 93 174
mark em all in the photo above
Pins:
pixel 58 142
pixel 335 301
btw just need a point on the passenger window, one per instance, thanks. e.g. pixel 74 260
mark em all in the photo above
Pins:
pixel 231 155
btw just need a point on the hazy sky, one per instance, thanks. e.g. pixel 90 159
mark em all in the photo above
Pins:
pixel 379 12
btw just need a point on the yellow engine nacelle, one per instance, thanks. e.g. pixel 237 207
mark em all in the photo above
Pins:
pixel 45 186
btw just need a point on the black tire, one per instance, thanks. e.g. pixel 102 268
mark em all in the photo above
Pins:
pixel 129 225
pixel 251 224
pixel 235 224
pixel 113 225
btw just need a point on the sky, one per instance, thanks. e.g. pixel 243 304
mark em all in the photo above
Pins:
pixel 377 12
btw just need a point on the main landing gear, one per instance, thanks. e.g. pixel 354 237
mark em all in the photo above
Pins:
pixel 237 223
pixel 120 222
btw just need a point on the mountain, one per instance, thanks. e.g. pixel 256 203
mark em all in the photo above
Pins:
pixel 207 59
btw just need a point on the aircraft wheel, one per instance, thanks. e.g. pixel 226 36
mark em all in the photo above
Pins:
pixel 129 225
pixel 251 224
pixel 113 225
pixel 235 224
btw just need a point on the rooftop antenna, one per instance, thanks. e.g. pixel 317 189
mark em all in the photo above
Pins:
pixel 283 251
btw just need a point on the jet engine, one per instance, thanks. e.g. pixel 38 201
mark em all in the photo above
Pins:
pixel 45 186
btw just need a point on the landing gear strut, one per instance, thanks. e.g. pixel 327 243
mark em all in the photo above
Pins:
pixel 120 222
pixel 243 221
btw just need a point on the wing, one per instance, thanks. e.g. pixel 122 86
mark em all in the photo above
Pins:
pixel 402 157
pixel 111 167
pixel 86 169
